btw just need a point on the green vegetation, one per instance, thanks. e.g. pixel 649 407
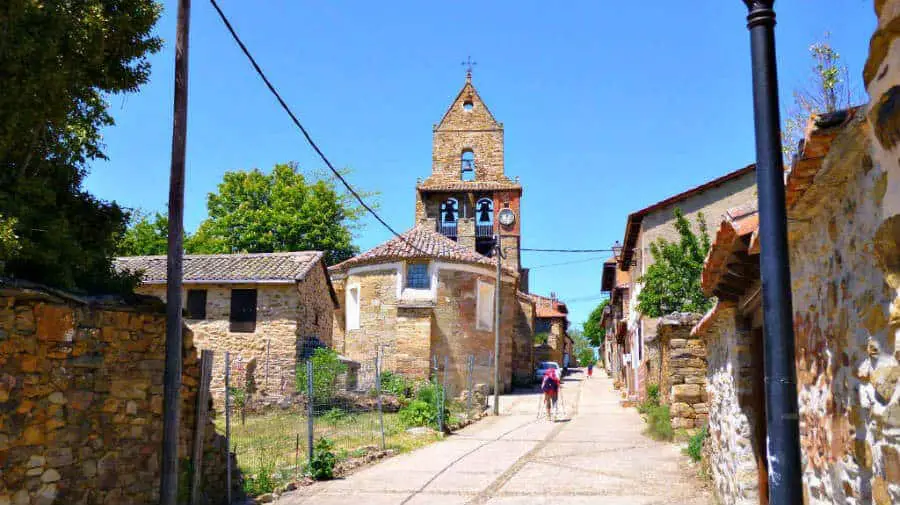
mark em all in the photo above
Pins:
pixel 593 330
pixel 263 480
pixel 239 400
pixel 419 413
pixel 695 444
pixel 659 423
pixel 60 63
pixel 397 385
pixel 321 467
pixel 145 236
pixel 672 282
pixel 541 338
pixel 327 367
pixel 9 241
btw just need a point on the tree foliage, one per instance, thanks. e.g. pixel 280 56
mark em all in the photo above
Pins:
pixel 58 61
pixel 593 330
pixel 672 282
pixel 583 349
pixel 830 89
pixel 145 236
pixel 281 211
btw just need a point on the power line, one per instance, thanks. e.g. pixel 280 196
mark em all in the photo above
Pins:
pixel 568 250
pixel 597 258
pixel 296 121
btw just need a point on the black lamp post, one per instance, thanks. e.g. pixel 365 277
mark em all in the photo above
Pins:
pixel 782 421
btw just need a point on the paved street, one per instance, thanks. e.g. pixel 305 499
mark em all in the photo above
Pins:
pixel 599 456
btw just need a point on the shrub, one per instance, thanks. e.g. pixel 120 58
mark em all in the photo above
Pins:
pixel 541 338
pixel 326 369
pixel 659 424
pixel 695 444
pixel 262 481
pixel 653 394
pixel 396 384
pixel 418 413
pixel 321 466
pixel 335 416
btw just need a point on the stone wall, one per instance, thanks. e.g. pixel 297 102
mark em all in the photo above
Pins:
pixel 734 415
pixel 682 371
pixel 81 401
pixel 523 342
pixel 846 345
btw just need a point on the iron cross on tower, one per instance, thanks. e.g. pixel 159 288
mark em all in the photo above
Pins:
pixel 469 64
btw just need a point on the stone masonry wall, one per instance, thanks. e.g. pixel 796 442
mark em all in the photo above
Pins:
pixel 523 342
pixel 847 347
pixel 273 344
pixel 81 401
pixel 682 383
pixel 732 417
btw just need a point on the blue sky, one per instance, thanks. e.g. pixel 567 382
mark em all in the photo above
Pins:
pixel 608 107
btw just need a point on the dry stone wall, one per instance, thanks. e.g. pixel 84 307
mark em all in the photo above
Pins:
pixel 81 401
pixel 683 368
pixel 733 417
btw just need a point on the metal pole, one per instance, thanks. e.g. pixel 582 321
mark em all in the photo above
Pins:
pixel 309 409
pixel 228 427
pixel 782 420
pixel 444 391
pixel 168 482
pixel 378 388
pixel 497 329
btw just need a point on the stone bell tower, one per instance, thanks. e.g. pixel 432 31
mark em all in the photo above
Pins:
pixel 468 189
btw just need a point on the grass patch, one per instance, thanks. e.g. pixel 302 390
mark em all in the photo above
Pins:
pixel 695 444
pixel 659 422
pixel 266 445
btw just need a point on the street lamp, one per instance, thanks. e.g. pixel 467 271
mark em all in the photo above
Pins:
pixel 617 250
pixel 782 420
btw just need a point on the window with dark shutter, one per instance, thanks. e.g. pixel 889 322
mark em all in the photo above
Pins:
pixel 243 310
pixel 196 303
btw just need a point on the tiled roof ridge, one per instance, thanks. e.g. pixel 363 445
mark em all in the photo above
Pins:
pixel 226 255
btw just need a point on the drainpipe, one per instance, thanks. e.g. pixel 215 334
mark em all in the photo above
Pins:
pixel 782 421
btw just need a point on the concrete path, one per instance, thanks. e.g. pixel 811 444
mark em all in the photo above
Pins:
pixel 598 456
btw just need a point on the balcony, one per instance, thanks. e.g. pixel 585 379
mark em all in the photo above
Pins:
pixel 448 230
pixel 484 230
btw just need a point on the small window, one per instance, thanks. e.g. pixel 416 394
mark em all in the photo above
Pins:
pixel 467 162
pixel 417 276
pixel 467 105
pixel 196 304
pixel 243 310
pixel 484 306
pixel 353 308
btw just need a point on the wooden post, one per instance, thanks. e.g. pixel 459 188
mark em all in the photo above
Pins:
pixel 309 408
pixel 206 358
pixel 228 427
pixel 168 482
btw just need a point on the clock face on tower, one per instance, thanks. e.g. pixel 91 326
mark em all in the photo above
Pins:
pixel 507 217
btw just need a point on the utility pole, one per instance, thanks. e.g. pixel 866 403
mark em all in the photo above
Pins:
pixel 782 420
pixel 168 482
pixel 499 255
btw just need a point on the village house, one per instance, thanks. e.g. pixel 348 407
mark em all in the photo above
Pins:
pixel 617 283
pixel 266 309
pixel 426 298
pixel 844 258
pixel 552 321
pixel 645 227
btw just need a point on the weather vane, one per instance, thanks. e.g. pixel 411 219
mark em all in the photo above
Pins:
pixel 469 64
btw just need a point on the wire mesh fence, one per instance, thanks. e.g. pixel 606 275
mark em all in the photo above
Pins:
pixel 349 408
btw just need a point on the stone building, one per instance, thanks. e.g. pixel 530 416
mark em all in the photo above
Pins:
pixel 81 389
pixel 264 308
pixel 422 296
pixel 552 319
pixel 617 283
pixel 429 293
pixel 844 245
pixel 646 226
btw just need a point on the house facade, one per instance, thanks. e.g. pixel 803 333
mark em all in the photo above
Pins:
pixel 645 227
pixel 265 309
pixel 552 319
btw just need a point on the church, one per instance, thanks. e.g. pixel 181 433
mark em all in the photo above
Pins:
pixel 426 297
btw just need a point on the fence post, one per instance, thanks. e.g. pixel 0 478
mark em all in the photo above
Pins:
pixel 228 427
pixel 378 389
pixel 444 390
pixel 309 409
pixel 297 457
pixel 470 383
pixel 206 357
pixel 268 341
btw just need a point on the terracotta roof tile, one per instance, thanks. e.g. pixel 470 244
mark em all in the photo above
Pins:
pixel 419 243
pixel 251 267
pixel 736 232
pixel 549 307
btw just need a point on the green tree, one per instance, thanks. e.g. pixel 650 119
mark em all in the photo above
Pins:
pixel 280 211
pixel 830 89
pixel 9 242
pixel 593 330
pixel 672 282
pixel 145 236
pixel 583 349
pixel 58 62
